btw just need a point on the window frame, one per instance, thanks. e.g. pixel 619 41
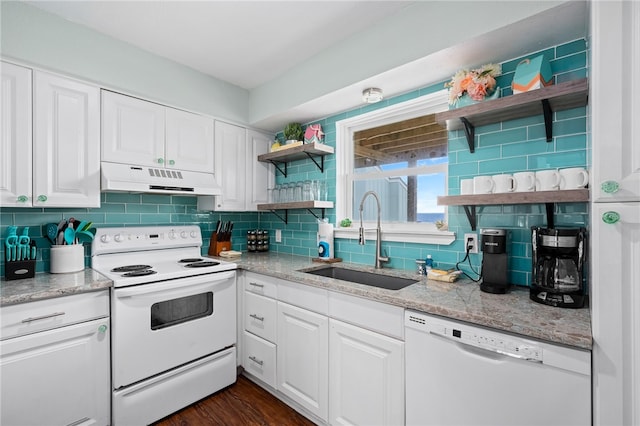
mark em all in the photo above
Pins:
pixel 401 232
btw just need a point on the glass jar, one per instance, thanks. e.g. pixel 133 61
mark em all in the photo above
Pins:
pixel 252 246
pixel 251 236
pixel 420 267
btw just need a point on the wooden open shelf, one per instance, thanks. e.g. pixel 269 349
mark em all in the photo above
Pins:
pixel 305 205
pixel 313 151
pixel 549 198
pixel 567 95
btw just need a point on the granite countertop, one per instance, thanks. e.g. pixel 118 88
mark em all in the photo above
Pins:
pixel 48 286
pixel 513 312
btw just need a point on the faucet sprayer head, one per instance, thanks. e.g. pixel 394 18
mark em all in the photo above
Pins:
pixel 361 239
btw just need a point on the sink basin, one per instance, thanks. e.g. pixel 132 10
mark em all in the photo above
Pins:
pixel 362 277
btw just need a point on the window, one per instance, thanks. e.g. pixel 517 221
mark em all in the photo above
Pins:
pixel 400 153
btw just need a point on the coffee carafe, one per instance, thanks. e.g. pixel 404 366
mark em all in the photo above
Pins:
pixel 558 277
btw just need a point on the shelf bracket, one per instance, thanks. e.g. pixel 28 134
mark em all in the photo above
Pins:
pixel 315 215
pixel 285 219
pixel 277 166
pixel 548 119
pixel 470 133
pixel 471 215
pixel 550 208
pixel 319 166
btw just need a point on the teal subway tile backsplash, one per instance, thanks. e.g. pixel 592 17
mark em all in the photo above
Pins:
pixel 507 147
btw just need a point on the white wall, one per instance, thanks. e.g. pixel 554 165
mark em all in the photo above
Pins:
pixel 36 37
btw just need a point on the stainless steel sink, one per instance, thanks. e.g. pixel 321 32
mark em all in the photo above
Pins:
pixel 362 277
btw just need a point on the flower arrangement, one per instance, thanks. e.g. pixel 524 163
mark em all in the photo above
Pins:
pixel 477 83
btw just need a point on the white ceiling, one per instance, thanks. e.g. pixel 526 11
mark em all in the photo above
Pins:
pixel 262 40
pixel 258 39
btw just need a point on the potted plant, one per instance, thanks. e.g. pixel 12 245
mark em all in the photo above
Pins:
pixel 293 132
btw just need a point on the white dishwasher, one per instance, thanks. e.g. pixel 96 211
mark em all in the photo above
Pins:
pixel 461 374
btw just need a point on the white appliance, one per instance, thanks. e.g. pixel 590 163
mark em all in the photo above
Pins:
pixel 460 374
pixel 173 320
pixel 119 177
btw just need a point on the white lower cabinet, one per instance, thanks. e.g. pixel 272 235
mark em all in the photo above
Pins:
pixel 336 358
pixel 366 382
pixel 303 358
pixel 60 374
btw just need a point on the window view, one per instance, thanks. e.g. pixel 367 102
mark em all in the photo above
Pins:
pixel 405 163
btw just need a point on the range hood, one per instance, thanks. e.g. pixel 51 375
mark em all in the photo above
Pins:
pixel 129 178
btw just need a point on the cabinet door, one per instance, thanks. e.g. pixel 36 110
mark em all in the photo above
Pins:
pixel 616 320
pixel 230 166
pixel 615 102
pixel 15 154
pixel 66 143
pixel 262 174
pixel 189 144
pixel 57 377
pixel 302 358
pixel 366 386
pixel 132 130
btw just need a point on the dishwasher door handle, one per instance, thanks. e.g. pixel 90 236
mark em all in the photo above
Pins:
pixel 486 349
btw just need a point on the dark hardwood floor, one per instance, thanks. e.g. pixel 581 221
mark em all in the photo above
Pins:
pixel 243 403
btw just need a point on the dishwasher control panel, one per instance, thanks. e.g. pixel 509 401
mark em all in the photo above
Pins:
pixel 477 337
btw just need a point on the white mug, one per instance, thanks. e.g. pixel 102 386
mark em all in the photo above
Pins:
pixel 503 183
pixel 524 181
pixel 483 185
pixel 573 178
pixel 466 186
pixel 547 180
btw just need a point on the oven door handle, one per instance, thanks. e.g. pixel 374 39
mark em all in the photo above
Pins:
pixel 207 281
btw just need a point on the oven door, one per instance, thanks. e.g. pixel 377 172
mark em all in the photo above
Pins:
pixel 159 326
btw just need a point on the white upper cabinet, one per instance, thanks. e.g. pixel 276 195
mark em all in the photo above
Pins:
pixel 262 175
pixel 132 130
pixel 189 141
pixel 243 179
pixel 144 133
pixel 66 143
pixel 15 155
pixel 231 170
pixel 59 164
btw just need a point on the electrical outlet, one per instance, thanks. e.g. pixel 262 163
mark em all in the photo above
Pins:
pixel 278 235
pixel 471 240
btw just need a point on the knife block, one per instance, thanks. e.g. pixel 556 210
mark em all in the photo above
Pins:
pixel 215 246
pixel 19 269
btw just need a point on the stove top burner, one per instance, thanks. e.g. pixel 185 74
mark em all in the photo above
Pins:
pixel 201 264
pixel 140 273
pixel 190 260
pixel 131 268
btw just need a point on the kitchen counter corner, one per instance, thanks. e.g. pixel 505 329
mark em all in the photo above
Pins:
pixel 48 286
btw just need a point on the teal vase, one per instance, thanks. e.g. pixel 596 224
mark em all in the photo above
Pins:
pixel 465 100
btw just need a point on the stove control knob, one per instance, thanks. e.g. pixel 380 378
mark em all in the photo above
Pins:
pixel 172 235
pixel 194 234
pixel 118 238
pixel 105 238
pixel 184 234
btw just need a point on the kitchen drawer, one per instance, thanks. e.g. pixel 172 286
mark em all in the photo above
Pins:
pixel 260 358
pixel 32 317
pixel 261 284
pixel 311 298
pixel 369 314
pixel 260 316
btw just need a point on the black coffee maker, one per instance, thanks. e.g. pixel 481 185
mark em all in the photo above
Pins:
pixel 495 276
pixel 558 266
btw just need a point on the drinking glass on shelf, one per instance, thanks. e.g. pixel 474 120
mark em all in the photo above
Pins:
pixel 297 191
pixel 321 190
pixel 306 191
pixel 290 192
pixel 284 193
